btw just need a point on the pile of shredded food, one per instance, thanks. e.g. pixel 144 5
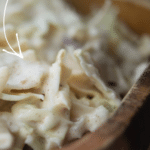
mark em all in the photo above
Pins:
pixel 73 76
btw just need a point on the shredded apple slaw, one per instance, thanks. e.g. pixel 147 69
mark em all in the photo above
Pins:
pixel 73 75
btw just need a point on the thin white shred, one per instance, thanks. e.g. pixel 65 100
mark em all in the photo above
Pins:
pixel 20 97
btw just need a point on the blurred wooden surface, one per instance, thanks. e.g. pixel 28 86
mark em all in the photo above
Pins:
pixel 136 13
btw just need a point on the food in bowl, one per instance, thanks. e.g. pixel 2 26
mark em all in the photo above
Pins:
pixel 72 77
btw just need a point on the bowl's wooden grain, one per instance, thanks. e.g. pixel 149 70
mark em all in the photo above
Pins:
pixel 115 125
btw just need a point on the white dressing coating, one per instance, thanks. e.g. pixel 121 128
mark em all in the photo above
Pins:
pixel 6 138
pixel 25 75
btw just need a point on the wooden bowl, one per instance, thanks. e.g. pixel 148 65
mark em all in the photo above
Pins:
pixel 137 15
